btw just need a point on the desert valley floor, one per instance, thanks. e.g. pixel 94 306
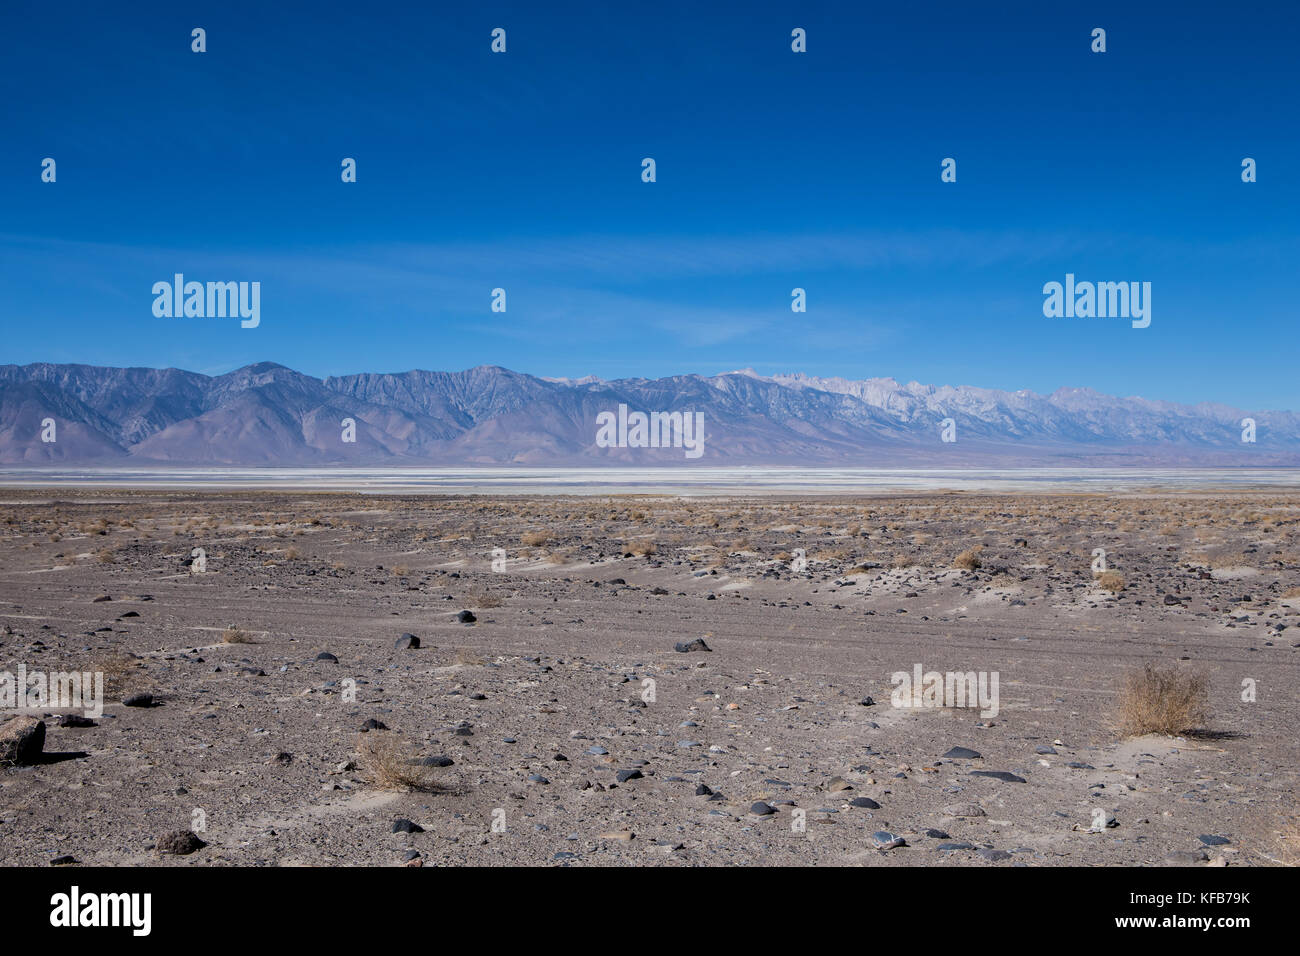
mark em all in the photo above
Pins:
pixel 565 729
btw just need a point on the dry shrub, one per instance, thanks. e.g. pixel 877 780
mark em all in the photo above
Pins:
pixel 901 561
pixel 534 539
pixel 122 673
pixel 484 599
pixel 464 657
pixel 392 764
pixel 1291 593
pixel 401 570
pixel 105 556
pixel 291 553
pixel 1158 700
pixel 643 547
pixel 968 560
pixel 233 635
pixel 1111 581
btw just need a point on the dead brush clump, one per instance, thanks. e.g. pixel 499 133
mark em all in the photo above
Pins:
pixel 534 539
pixel 234 635
pixel 1162 700
pixel 969 560
pixel 1111 581
pixel 123 673
pixel 484 599
pixel 391 763
pixel 642 547
pixel 1291 593
pixel 105 556
pixel 464 657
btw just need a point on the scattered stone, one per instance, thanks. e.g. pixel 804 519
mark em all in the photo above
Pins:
pixel 403 825
pixel 761 809
pixel 1209 839
pixel 179 843
pixel 139 700
pixel 1002 775
pixel 884 840
pixel 21 740
pixel 962 753
pixel 625 775
pixel 466 617
pixel 407 642
pixel 864 802
pixel 689 647
pixel 75 720
pixel 327 657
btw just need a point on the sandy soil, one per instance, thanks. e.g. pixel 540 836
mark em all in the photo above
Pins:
pixel 540 702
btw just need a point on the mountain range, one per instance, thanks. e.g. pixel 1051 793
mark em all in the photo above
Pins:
pixel 269 415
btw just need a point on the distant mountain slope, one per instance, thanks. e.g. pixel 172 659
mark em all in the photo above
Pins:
pixel 267 414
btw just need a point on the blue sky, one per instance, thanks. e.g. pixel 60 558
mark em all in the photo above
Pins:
pixel 775 170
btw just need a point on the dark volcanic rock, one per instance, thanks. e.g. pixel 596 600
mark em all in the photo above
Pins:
pixel 687 647
pixel 179 843
pixel 1002 775
pixel 21 740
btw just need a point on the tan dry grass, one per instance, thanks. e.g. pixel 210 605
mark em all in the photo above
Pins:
pixel 391 763
pixel 1162 700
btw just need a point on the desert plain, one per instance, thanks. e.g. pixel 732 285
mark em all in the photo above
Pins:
pixel 547 718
